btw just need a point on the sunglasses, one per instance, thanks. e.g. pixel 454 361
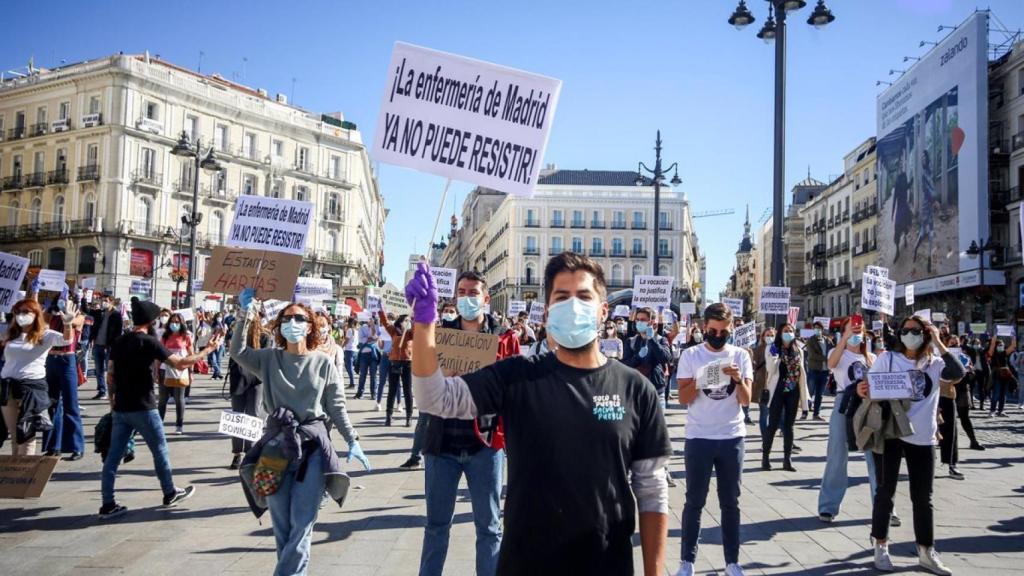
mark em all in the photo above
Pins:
pixel 715 333
pixel 297 318
pixel 914 331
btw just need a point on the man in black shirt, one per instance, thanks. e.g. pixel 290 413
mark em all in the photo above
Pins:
pixel 130 377
pixel 577 425
pixel 107 325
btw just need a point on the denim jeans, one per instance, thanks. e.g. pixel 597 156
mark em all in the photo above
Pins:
pixel 293 510
pixel 999 388
pixel 817 380
pixel 483 476
pixel 382 375
pixel 67 435
pixel 418 436
pixel 349 363
pixel 147 423
pixel 100 354
pixel 835 479
pixel 762 418
pixel 725 457
pixel 214 358
pixel 367 367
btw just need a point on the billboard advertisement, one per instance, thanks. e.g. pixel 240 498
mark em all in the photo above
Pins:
pixel 932 158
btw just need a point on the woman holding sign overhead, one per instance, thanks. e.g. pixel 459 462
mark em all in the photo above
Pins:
pixel 786 383
pixel 1002 373
pixel 912 352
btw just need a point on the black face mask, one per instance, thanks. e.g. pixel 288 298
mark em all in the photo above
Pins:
pixel 717 342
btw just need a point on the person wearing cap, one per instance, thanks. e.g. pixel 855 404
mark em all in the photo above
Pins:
pixel 130 381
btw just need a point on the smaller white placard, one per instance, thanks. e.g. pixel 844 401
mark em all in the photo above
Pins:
pixel 774 300
pixel 877 325
pixel 890 386
pixel 806 333
pixel 537 312
pixel 746 335
pixel 610 346
pixel 515 307
pixel 1004 330
pixel 363 316
pixel 925 314
pixel 344 310
pixel 186 314
pixel 825 321
pixel 372 303
pixel 621 311
pixel 87 282
pixel 52 280
pixel 734 304
pixel 444 279
pixel 241 425
pixel 877 271
pixel 908 293
pixel 688 308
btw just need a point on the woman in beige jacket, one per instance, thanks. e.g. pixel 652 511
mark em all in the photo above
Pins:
pixel 786 383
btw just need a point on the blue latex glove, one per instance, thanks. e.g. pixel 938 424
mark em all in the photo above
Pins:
pixel 246 298
pixel 421 294
pixel 774 351
pixel 35 286
pixel 356 451
pixel 643 352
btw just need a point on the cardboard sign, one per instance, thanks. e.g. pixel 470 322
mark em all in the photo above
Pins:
pixel 877 271
pixel 734 304
pixel 652 292
pixel 774 300
pixel 515 307
pixel 621 311
pixel 746 335
pixel 12 272
pixel 318 289
pixel 25 476
pixel 241 425
pixel 460 352
pixel 186 314
pixel 890 386
pixel 87 282
pixel 373 305
pixel 52 280
pixel 536 312
pixel 925 314
pixel 271 224
pixel 272 274
pixel 610 347
pixel 1004 330
pixel 908 293
pixel 444 279
pixel 465 119
pixel 824 320
pixel 877 294
pixel 794 315
pixel 688 308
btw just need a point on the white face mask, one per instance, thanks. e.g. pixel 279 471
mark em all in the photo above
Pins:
pixel 25 319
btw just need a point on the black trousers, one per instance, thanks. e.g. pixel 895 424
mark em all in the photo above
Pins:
pixel 781 413
pixel 963 410
pixel 401 372
pixel 247 403
pixel 948 446
pixel 921 470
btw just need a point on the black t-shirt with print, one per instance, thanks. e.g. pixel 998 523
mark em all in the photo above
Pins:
pixel 571 436
pixel 133 355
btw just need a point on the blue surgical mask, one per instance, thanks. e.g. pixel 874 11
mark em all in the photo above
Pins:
pixel 787 337
pixel 641 326
pixel 470 307
pixel 293 332
pixel 856 340
pixel 573 323
pixel 173 326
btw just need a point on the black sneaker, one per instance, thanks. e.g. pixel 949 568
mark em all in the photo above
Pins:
pixel 956 474
pixel 236 462
pixel 412 464
pixel 73 457
pixel 178 496
pixel 112 510
pixel 100 396
pixel 129 457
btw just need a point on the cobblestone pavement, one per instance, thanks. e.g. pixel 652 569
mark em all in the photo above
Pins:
pixel 979 521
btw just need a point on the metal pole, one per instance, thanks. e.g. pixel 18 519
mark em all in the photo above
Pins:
pixel 177 283
pixel 657 198
pixel 778 268
pixel 192 230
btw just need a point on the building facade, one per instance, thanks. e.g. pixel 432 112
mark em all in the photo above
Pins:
pixel 89 184
pixel 602 214
pixel 743 282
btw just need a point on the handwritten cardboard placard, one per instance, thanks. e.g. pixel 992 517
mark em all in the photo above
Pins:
pixel 461 352
pixel 25 476
pixel 890 386
pixel 272 274
pixel 241 425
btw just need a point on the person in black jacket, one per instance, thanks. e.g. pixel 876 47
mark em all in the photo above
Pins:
pixel 107 326
pixel 649 352
pixel 245 388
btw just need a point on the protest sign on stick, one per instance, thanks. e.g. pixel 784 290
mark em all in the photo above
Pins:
pixel 652 292
pixel 734 304
pixel 271 224
pixel 444 279
pixel 460 352
pixel 774 300
pixel 877 294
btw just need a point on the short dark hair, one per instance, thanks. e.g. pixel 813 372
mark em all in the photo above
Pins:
pixel 649 311
pixel 718 311
pixel 572 262
pixel 472 275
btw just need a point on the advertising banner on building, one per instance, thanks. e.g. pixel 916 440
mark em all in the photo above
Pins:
pixel 465 119
pixel 932 169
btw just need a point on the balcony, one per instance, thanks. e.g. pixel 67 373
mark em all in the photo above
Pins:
pixel 58 176
pixel 807 231
pixel 35 180
pixel 529 281
pixel 143 228
pixel 617 253
pixel 332 257
pixel 80 226
pixel 16 133
pixel 664 226
pixel 12 182
pixel 665 254
pixel 555 250
pixel 831 222
pixel 846 216
pixel 557 224
pixel 61 125
pixel 90 120
pixel 845 247
pixel 150 178
pixel 150 125
pixel 821 224
pixel 225 195
pixel 638 225
pixel 38 129
pixel 618 225
pixel 596 252
pixel 305 168
pixel 998 147
pixel 185 186
pixel 332 215
pixel 248 153
pixel 90 172
pixel 638 253
pixel 578 224
pixel 1017 141
pixel 597 224
pixel 532 224
pixel 528 251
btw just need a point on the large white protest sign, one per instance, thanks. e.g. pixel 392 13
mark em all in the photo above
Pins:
pixel 465 119
pixel 186 314
pixel 444 279
pixel 315 289
pixel 12 272
pixel 271 224
pixel 877 271
pixel 621 311
pixel 537 312
pixel 516 306
pixel 652 291
pixel 241 425
pixel 51 280
pixel 925 314
pixel 343 310
pixel 825 321
pixel 734 304
pixel 908 292
pixel 372 304
pixel 890 385
pixel 687 308
pixel 774 300
pixel 746 335
pixel 87 282
pixel 1004 330
pixel 877 293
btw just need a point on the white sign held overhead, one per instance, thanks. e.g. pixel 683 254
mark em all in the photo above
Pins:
pixel 315 289
pixel 925 314
pixel 746 335
pixel 877 294
pixel 537 312
pixel 877 271
pixel 688 308
pixel 734 304
pixel 271 224
pixel 908 293
pixel 621 311
pixel 185 313
pixel 774 300
pixel 52 280
pixel 515 307
pixel 877 325
pixel 12 272
pixel 823 320
pixel 652 292
pixel 465 119
pixel 87 282
pixel 444 279
pixel 372 304
pixel 1004 330
pixel 343 310
pixel 807 333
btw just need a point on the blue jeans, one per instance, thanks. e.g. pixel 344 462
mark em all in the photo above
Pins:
pixel 835 479
pixel 817 380
pixel 147 423
pixel 100 354
pixel 349 363
pixel 998 401
pixel 762 418
pixel 483 476
pixel 418 436
pixel 725 457
pixel 367 366
pixel 67 435
pixel 293 510
pixel 213 358
pixel 382 377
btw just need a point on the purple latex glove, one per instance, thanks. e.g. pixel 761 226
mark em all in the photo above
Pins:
pixel 421 294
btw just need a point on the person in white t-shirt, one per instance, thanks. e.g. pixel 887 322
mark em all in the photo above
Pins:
pixel 350 342
pixel 714 381
pixel 912 353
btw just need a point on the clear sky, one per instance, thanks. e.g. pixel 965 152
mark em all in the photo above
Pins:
pixel 628 69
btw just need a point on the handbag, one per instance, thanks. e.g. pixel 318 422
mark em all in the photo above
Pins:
pixel 1005 373
pixel 174 378
pixel 81 374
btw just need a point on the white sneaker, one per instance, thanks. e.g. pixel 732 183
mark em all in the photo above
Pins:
pixel 883 561
pixel 685 569
pixel 378 406
pixel 930 561
pixel 733 570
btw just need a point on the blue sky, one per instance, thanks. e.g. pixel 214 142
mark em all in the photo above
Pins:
pixel 628 69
